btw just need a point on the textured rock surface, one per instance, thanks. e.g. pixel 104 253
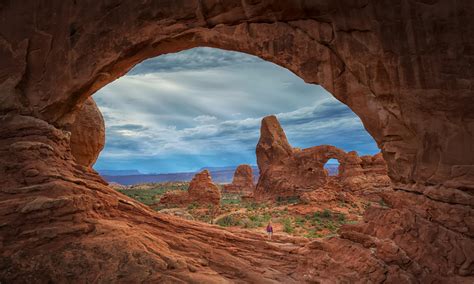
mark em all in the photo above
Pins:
pixel 287 172
pixel 242 182
pixel 201 191
pixel 87 134
pixel 404 67
pixel 365 175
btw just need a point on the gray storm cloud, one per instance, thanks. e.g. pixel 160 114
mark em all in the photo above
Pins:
pixel 203 107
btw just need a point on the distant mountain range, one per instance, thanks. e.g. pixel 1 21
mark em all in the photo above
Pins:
pixel 218 174
pixel 118 172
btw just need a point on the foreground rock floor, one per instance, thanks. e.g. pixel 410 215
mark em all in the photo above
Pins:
pixel 120 240
pixel 61 223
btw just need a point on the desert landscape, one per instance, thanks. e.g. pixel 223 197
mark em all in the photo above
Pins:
pixel 404 215
pixel 313 205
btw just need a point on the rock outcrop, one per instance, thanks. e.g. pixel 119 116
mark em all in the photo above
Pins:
pixel 287 172
pixel 201 191
pixel 87 134
pixel 365 175
pixel 242 183
pixel 404 67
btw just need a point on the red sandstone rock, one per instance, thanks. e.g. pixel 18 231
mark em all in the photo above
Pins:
pixel 201 191
pixel 242 182
pixel 287 172
pixel 404 69
pixel 87 134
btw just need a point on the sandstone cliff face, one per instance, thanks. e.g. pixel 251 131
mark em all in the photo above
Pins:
pixel 287 172
pixel 87 134
pixel 404 67
pixel 242 182
pixel 201 191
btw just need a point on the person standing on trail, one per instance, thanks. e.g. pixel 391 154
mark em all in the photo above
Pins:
pixel 270 230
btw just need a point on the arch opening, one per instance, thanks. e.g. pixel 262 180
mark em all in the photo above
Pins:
pixel 332 167
pixel 157 107
pixel 175 115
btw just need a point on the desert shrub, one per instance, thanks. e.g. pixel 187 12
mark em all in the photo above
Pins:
pixel 231 198
pixel 330 226
pixel 288 200
pixel 382 203
pixel 341 217
pixel 313 234
pixel 259 220
pixel 300 221
pixel 287 226
pixel 326 213
pixel 228 221
pixel 252 206
pixel 192 206
pixel 152 193
pixel 250 224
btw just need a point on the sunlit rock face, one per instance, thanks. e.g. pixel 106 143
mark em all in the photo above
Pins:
pixel 287 172
pixel 242 183
pixel 404 67
pixel 87 134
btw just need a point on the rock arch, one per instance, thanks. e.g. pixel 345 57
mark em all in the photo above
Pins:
pixel 408 77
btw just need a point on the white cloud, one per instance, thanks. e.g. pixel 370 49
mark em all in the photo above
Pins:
pixel 205 118
pixel 214 109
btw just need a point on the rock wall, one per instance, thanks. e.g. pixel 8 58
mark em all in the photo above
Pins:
pixel 201 191
pixel 404 67
pixel 242 183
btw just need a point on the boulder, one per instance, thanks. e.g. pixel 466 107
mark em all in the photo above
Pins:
pixel 242 183
pixel 201 191
pixel 87 134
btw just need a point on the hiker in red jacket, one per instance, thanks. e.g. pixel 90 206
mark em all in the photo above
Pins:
pixel 270 230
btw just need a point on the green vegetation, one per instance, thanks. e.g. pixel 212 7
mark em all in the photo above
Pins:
pixel 193 206
pixel 144 196
pixel 253 206
pixel 313 234
pixel 287 226
pixel 382 203
pixel 288 200
pixel 228 221
pixel 148 193
pixel 230 199
pixel 252 215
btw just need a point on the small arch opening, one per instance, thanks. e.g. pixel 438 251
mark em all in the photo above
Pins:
pixel 332 167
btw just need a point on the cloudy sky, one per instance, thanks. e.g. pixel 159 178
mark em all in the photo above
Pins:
pixel 202 107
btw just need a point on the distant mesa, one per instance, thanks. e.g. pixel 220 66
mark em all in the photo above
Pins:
pixel 130 177
pixel 118 172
